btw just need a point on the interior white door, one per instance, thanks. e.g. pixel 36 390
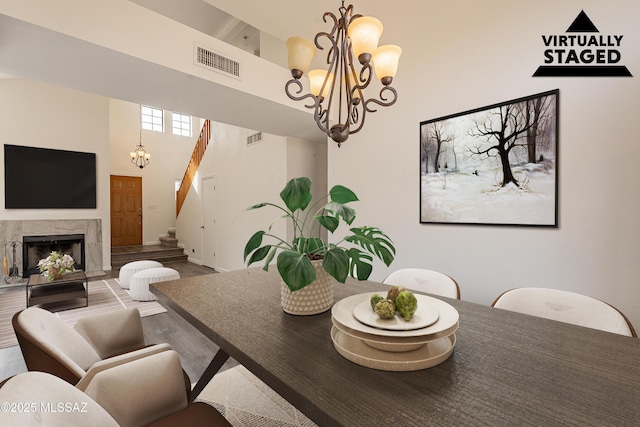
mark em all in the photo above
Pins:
pixel 209 221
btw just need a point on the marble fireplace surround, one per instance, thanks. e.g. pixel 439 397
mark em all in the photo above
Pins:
pixel 14 230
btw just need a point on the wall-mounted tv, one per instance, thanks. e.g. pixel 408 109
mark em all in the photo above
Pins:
pixel 43 178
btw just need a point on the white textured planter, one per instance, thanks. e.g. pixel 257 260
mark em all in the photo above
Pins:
pixel 316 297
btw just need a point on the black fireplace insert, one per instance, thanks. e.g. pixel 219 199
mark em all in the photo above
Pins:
pixel 35 248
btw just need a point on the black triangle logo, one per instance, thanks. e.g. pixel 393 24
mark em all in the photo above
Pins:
pixel 582 24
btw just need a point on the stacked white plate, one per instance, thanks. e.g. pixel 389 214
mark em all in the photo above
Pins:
pixel 362 337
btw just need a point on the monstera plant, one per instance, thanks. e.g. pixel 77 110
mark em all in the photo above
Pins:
pixel 352 255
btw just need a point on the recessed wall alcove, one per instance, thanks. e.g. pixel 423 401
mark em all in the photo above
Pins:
pixel 15 230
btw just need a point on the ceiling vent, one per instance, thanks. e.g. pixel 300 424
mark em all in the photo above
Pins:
pixel 215 61
pixel 254 139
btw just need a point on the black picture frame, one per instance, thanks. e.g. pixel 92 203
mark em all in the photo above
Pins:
pixel 495 165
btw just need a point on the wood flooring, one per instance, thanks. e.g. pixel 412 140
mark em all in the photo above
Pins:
pixel 195 349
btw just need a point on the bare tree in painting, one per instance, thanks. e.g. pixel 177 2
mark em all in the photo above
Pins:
pixel 506 128
pixel 536 110
pixel 455 155
pixel 424 149
pixel 435 137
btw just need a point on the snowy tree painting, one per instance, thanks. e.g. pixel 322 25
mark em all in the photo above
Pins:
pixel 494 165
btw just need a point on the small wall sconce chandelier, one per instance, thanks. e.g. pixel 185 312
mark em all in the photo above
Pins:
pixel 140 157
pixel 340 85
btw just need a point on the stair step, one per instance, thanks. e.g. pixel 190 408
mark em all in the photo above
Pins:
pixel 172 232
pixel 170 242
pixel 122 255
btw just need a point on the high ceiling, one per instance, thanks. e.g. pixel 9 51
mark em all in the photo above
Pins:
pixel 37 53
pixel 205 17
pixel 286 18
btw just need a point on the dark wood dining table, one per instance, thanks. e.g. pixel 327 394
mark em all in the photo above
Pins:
pixel 507 369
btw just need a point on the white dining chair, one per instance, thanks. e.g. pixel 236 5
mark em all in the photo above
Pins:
pixel 423 280
pixel 568 307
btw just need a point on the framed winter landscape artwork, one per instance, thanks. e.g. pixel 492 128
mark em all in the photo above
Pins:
pixel 496 165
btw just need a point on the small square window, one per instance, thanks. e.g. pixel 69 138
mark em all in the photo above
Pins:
pixel 152 118
pixel 181 124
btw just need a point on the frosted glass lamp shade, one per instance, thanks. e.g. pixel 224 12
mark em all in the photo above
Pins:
pixel 385 60
pixel 301 52
pixel 364 33
pixel 133 154
pixel 317 78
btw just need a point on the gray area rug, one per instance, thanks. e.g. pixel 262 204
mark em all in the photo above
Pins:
pixel 104 296
pixel 245 401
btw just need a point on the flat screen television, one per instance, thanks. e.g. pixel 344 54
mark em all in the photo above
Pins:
pixel 43 178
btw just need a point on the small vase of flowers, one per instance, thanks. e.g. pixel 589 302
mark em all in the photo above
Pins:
pixel 55 265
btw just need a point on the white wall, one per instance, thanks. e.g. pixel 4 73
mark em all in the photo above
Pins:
pixel 273 49
pixel 40 115
pixel 244 177
pixel 308 159
pixel 464 55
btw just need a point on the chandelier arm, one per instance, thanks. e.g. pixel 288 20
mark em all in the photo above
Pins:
pixel 333 29
pixel 355 116
pixel 357 119
pixel 322 113
pixel 383 101
pixel 367 68
pixel 322 119
pixel 341 74
pixel 299 90
pixel 361 83
pixel 329 37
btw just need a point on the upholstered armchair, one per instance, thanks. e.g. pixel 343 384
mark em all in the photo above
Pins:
pixel 50 345
pixel 144 392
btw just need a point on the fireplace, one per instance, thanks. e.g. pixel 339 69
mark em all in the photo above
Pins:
pixel 35 248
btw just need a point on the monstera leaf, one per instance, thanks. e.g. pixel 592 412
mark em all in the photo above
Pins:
pixel 374 241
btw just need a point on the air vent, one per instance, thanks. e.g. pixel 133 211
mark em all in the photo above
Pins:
pixel 214 61
pixel 254 139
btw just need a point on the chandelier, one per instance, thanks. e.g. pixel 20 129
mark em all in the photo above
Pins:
pixel 140 157
pixel 341 86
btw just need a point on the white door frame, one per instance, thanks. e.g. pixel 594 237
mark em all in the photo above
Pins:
pixel 209 215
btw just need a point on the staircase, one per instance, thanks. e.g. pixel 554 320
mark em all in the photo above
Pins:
pixel 169 241
pixel 166 252
pixel 194 164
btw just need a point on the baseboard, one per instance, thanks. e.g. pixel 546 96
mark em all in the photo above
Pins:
pixel 195 261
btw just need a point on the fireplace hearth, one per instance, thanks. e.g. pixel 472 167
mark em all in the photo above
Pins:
pixel 35 248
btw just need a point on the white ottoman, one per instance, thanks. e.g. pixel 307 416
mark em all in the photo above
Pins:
pixel 128 270
pixel 139 284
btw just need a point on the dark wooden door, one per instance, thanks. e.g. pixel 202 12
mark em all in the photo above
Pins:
pixel 126 210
